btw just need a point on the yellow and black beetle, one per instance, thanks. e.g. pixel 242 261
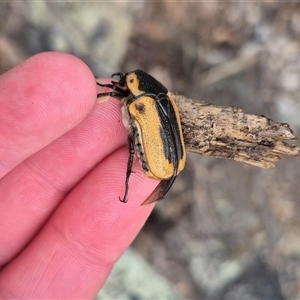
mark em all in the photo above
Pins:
pixel 152 119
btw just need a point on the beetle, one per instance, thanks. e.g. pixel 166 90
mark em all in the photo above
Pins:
pixel 152 118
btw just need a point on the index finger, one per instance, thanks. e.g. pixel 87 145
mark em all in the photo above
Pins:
pixel 36 114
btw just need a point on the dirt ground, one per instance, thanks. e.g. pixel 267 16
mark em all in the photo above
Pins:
pixel 226 230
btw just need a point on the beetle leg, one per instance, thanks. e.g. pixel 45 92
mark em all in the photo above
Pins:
pixel 129 168
pixel 118 91
pixel 112 94
pixel 114 86
pixel 108 85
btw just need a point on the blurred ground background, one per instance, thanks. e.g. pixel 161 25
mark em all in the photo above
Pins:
pixel 226 230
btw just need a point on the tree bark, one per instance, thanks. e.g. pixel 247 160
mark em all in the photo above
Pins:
pixel 226 131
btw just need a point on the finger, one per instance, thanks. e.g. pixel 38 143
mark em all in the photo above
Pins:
pixel 41 99
pixel 74 253
pixel 31 192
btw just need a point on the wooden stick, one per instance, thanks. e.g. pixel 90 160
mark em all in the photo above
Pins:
pixel 225 131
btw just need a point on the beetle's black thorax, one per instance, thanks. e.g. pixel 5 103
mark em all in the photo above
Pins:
pixel 149 84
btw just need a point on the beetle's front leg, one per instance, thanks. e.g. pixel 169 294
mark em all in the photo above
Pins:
pixel 129 167
pixel 118 91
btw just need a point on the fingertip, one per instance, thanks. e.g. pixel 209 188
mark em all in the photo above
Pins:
pixel 64 70
pixel 41 99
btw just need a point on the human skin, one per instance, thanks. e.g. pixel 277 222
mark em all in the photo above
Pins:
pixel 63 160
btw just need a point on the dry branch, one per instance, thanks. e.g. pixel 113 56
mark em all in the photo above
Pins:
pixel 225 131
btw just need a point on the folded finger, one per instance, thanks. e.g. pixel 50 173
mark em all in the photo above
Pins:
pixel 31 192
pixel 73 254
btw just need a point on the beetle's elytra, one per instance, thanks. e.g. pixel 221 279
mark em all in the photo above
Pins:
pixel 155 134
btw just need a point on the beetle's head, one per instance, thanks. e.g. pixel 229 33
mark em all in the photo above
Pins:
pixel 139 82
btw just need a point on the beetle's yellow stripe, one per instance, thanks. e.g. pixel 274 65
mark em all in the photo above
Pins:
pixel 147 120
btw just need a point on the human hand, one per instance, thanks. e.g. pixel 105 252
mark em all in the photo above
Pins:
pixel 62 170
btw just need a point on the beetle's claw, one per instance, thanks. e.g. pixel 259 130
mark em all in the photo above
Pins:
pixel 124 200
